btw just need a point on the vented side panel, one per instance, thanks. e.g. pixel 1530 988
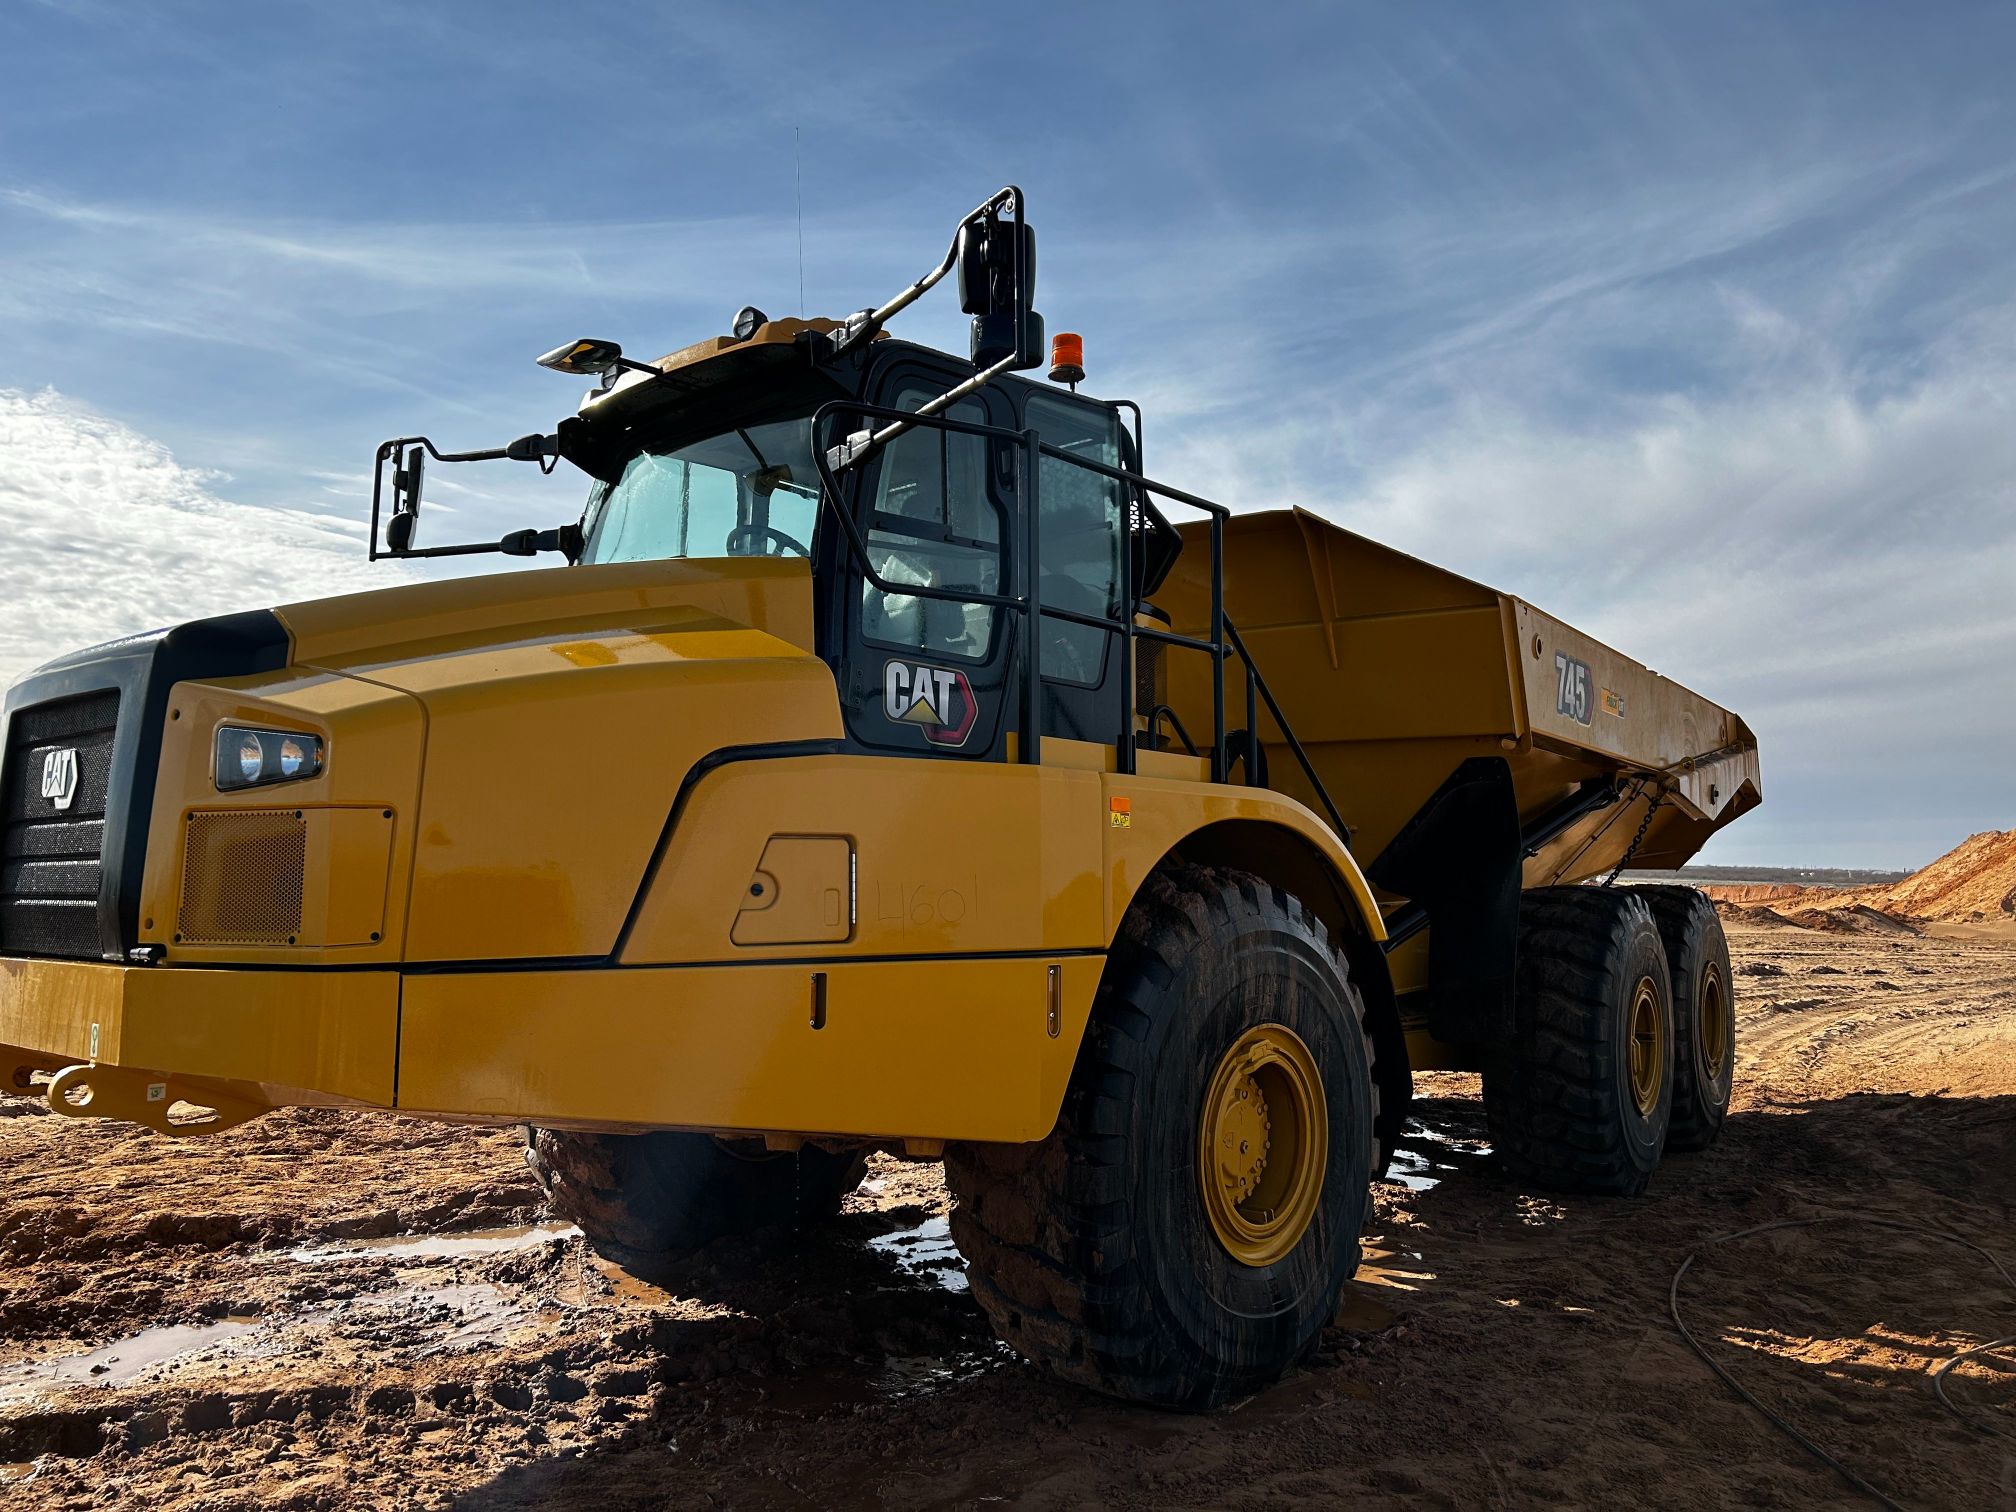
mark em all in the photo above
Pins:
pixel 242 878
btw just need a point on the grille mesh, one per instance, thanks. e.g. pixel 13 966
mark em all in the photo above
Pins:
pixel 242 876
pixel 51 857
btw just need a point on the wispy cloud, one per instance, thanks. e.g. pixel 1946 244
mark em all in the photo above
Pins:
pixel 107 535
pixel 1834 559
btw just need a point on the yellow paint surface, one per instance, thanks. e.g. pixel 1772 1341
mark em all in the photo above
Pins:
pixel 952 856
pixel 332 1032
pixel 927 1049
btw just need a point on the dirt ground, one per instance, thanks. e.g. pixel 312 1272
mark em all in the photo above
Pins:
pixel 320 1310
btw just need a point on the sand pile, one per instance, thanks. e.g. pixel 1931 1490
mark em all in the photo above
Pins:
pixel 1749 893
pixel 1857 918
pixel 1974 883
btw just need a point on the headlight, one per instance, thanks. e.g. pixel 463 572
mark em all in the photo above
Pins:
pixel 253 758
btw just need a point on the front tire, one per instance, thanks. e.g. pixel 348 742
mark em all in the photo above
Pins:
pixel 1580 1100
pixel 646 1200
pixel 1182 1236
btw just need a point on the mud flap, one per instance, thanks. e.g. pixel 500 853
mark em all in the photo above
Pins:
pixel 1459 858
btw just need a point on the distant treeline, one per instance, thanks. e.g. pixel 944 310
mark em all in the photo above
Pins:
pixel 1773 876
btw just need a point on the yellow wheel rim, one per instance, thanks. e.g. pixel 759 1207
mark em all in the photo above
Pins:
pixel 1262 1144
pixel 1718 1020
pixel 1648 1045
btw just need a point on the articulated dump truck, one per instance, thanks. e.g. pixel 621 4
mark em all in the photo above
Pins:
pixel 888 763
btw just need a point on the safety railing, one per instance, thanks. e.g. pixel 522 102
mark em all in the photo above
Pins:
pixel 1025 553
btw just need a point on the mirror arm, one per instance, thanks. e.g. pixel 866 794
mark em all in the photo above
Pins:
pixel 863 326
pixel 565 539
pixel 408 456
pixel 862 442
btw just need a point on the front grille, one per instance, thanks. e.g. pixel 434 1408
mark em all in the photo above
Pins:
pixel 51 852
pixel 243 875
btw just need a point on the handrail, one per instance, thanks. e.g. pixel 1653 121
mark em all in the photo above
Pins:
pixel 1255 680
pixel 1155 717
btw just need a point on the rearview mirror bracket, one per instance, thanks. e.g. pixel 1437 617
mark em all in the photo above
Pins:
pixel 994 250
pixel 407 457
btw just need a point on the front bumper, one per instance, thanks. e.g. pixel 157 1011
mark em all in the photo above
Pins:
pixel 327 1037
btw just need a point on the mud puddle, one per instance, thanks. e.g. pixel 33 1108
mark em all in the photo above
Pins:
pixel 476 1242
pixel 468 1316
pixel 1427 1156
pixel 925 1250
pixel 408 1317
pixel 121 1361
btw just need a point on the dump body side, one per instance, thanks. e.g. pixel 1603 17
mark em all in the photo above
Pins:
pixel 1394 672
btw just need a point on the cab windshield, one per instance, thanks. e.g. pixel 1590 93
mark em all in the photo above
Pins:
pixel 749 491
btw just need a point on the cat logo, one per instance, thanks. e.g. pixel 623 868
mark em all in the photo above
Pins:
pixel 59 776
pixel 938 699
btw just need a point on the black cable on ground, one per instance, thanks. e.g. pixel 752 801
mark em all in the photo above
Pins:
pixel 1938 1387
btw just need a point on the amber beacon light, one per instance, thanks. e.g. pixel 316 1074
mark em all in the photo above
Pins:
pixel 1067 358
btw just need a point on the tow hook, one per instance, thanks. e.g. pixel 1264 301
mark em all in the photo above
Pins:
pixel 146 1097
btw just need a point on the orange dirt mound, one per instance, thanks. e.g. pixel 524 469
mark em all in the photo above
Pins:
pixel 1974 883
pixel 1746 893
pixel 1855 919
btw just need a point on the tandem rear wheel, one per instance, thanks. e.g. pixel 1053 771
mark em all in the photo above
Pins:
pixel 1704 1012
pixel 645 1200
pixel 1581 1100
pixel 1182 1236
pixel 1624 1037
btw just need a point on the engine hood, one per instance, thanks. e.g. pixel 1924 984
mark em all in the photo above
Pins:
pixel 725 608
pixel 562 711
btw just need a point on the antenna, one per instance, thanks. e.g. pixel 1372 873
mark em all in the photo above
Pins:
pixel 798 173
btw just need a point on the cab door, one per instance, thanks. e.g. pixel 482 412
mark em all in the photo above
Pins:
pixel 1084 513
pixel 923 676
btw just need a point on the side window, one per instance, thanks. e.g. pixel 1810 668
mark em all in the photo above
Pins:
pixel 1082 512
pixel 934 524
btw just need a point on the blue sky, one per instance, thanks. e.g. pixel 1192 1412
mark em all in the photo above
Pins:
pixel 1695 325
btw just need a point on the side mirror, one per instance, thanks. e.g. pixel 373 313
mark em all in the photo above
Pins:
pixel 996 260
pixel 406 481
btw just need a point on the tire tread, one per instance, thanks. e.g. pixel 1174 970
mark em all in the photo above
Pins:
pixel 1046 1228
pixel 1552 1102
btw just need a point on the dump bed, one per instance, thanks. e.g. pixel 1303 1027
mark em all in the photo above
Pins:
pixel 1393 672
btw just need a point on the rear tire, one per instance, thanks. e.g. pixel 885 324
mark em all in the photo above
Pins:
pixel 1106 1253
pixel 1581 1099
pixel 1704 1013
pixel 645 1200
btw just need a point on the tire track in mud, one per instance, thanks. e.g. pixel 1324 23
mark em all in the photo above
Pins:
pixel 1868 1013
